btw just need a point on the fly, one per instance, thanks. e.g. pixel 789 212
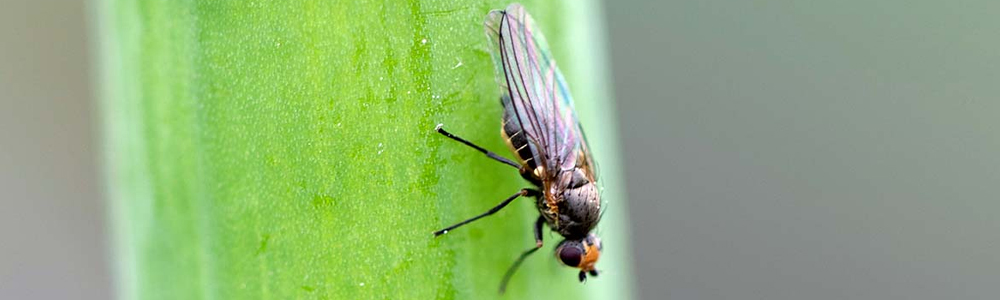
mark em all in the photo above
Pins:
pixel 540 127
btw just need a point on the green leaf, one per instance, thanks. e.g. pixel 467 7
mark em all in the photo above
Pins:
pixel 286 150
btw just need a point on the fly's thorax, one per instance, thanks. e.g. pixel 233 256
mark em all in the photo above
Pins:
pixel 579 204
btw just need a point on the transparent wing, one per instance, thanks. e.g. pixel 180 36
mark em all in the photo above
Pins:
pixel 537 92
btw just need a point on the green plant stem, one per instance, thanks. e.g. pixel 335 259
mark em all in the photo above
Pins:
pixel 286 150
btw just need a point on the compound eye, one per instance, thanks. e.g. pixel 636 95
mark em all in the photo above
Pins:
pixel 570 254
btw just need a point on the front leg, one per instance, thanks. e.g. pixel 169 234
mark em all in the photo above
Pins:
pixel 517 263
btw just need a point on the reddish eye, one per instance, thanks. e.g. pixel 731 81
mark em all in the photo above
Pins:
pixel 570 255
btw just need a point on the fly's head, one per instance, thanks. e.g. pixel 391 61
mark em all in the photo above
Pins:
pixel 581 254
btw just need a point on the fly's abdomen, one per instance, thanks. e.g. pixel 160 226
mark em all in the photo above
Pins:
pixel 515 137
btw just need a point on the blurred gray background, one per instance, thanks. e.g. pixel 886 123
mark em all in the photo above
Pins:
pixel 52 241
pixel 774 149
pixel 811 149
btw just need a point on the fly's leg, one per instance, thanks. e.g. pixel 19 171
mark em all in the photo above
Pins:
pixel 492 155
pixel 522 192
pixel 517 263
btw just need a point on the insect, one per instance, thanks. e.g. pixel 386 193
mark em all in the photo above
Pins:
pixel 540 127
